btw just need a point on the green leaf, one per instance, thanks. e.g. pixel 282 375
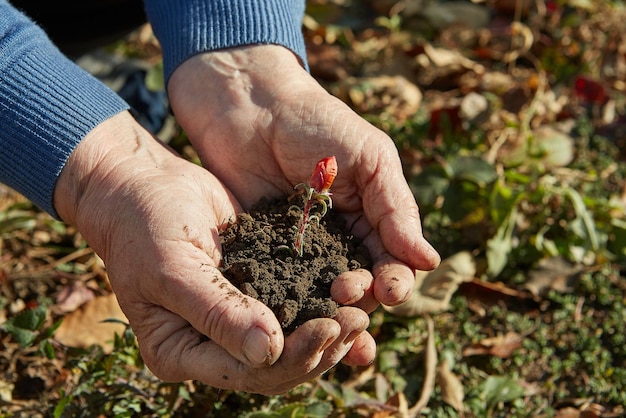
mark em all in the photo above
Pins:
pixel 473 169
pixel 46 348
pixel 31 319
pixel 25 326
pixel 554 148
pixel 17 222
pixel 499 247
pixel 63 403
pixel 47 333
pixel 461 199
pixel 618 242
pixel 501 200
pixel 498 389
pixel 318 410
pixel 547 147
pixel 23 337
pixel 428 185
pixel 154 78
pixel 588 224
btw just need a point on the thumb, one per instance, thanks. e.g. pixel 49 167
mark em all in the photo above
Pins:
pixel 245 327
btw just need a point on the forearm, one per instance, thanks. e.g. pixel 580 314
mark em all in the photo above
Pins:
pixel 47 105
pixel 188 27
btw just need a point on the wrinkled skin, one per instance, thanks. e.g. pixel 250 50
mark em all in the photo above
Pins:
pixel 154 218
pixel 259 123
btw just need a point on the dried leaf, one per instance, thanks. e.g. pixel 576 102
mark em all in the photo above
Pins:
pixel 6 391
pixel 444 57
pixel 400 403
pixel 501 346
pixel 497 82
pixel 430 365
pixel 384 414
pixel 451 387
pixel 474 107
pixel 73 296
pixel 432 290
pixel 567 412
pixel 552 273
pixel 85 327
pixel 490 292
pixel 442 15
pixel 395 95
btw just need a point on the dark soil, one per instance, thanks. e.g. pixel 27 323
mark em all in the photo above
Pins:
pixel 259 260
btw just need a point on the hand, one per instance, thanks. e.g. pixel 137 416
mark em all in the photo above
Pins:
pixel 154 218
pixel 260 122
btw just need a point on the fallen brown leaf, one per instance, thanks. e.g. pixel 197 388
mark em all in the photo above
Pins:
pixel 490 293
pixel 85 327
pixel 567 412
pixel 501 346
pixel 430 365
pixel 400 403
pixel 72 296
pixel 451 387
pixel 395 95
pixel 433 290
pixel 552 274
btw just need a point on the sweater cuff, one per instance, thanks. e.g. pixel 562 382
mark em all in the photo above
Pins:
pixel 188 27
pixel 47 106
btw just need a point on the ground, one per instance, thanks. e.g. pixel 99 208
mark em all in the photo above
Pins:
pixel 509 119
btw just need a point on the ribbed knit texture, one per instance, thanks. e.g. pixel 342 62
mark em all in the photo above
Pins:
pixel 187 27
pixel 47 105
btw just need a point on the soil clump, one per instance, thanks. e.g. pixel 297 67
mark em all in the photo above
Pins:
pixel 258 258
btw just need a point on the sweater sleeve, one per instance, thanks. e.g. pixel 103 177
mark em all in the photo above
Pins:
pixel 187 27
pixel 47 105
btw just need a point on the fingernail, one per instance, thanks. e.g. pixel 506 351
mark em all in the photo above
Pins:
pixel 433 255
pixel 256 347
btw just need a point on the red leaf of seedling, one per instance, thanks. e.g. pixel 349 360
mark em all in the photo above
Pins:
pixel 324 174
pixel 316 192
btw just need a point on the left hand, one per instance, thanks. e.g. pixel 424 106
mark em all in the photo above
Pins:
pixel 260 122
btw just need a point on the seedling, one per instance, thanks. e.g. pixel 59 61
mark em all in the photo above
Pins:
pixel 316 191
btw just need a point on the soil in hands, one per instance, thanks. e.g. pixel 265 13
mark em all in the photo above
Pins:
pixel 259 260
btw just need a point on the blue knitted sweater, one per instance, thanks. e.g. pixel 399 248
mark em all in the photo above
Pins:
pixel 48 104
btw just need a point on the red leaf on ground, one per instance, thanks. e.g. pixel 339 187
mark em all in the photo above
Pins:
pixel 590 90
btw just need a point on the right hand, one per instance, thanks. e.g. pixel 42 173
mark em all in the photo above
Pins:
pixel 260 122
pixel 154 218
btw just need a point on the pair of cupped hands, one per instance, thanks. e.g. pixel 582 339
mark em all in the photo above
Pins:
pixel 259 123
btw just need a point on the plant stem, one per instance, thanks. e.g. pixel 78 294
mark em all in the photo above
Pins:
pixel 298 245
